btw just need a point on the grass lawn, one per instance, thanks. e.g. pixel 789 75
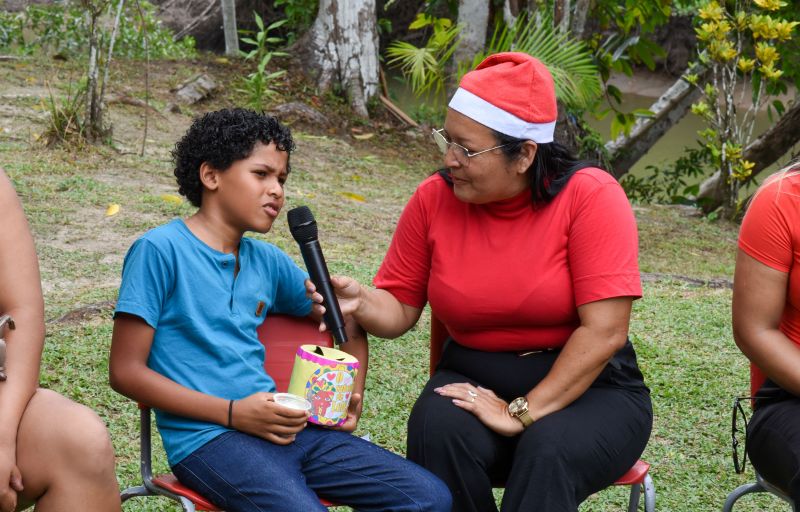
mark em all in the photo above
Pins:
pixel 357 189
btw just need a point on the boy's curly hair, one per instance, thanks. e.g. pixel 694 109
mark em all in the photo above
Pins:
pixel 221 138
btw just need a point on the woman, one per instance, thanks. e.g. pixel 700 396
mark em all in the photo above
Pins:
pixel 53 452
pixel 530 260
pixel 766 325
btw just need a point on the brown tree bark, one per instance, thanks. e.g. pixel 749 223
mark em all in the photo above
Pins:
pixel 342 48
pixel 670 108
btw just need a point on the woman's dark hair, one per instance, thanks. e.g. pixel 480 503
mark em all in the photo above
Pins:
pixel 221 138
pixel 552 166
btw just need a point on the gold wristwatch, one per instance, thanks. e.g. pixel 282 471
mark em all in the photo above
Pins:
pixel 518 408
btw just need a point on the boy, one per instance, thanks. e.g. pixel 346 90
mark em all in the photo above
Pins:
pixel 185 341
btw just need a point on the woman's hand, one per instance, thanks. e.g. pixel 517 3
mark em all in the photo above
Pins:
pixel 353 414
pixel 259 415
pixel 485 405
pixel 347 290
pixel 10 480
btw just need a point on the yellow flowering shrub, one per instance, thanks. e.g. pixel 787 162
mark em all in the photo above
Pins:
pixel 737 43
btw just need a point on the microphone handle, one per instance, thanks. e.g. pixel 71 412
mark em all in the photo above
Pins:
pixel 318 271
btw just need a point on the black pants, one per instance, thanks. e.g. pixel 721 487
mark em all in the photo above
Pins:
pixel 773 438
pixel 557 462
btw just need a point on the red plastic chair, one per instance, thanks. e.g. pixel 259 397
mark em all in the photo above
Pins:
pixel 638 477
pixel 757 378
pixel 281 336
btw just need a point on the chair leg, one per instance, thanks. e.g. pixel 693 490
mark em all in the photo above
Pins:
pixel 649 494
pixel 633 503
pixel 133 492
pixel 739 492
pixel 187 505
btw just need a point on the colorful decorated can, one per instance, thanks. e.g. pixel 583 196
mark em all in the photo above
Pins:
pixel 325 377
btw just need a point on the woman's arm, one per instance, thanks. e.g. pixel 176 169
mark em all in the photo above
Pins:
pixel 20 297
pixel 129 375
pixel 602 332
pixel 376 310
pixel 759 298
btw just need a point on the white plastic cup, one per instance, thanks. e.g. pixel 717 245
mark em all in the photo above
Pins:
pixel 292 401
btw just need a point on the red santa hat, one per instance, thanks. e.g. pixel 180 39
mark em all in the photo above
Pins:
pixel 512 93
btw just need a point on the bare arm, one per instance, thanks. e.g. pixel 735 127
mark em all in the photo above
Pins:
pixel 602 332
pixel 376 310
pixel 130 376
pixel 759 298
pixel 20 297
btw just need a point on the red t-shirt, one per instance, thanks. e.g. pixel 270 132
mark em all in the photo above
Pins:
pixel 504 276
pixel 770 233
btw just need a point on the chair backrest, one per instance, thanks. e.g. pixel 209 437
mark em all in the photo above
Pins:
pixel 438 336
pixel 281 335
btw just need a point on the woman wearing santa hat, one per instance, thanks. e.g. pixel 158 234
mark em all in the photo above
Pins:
pixel 530 260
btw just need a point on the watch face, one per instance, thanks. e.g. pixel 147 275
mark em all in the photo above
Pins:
pixel 517 406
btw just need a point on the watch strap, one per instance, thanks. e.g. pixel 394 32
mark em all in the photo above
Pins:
pixel 525 418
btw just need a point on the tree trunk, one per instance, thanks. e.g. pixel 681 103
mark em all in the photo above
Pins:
pixel 94 113
pixel 341 48
pixel 229 27
pixel 763 152
pixel 670 108
pixel 473 16
pixel 578 25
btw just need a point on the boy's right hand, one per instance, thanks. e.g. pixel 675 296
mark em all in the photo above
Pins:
pixel 259 415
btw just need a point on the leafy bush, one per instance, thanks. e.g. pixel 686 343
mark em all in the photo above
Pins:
pixel 65 29
pixel 64 121
pixel 299 15
pixel 257 85
pixel 676 183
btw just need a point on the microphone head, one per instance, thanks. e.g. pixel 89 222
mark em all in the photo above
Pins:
pixel 302 224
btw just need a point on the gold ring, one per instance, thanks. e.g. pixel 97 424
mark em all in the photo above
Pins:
pixel 472 399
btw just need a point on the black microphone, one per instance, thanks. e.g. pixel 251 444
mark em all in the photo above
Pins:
pixel 304 230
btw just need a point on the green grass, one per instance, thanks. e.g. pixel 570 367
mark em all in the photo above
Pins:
pixel 682 333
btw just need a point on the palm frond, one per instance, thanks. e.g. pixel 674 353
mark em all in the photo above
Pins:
pixel 569 60
pixel 424 66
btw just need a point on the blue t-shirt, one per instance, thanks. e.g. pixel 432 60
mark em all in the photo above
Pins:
pixel 205 319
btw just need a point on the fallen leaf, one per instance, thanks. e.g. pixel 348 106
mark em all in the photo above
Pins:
pixel 353 196
pixel 222 60
pixel 364 136
pixel 112 209
pixel 172 198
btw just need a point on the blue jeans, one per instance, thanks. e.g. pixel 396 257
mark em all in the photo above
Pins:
pixel 240 472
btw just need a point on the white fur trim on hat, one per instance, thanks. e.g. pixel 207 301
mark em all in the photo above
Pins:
pixel 480 110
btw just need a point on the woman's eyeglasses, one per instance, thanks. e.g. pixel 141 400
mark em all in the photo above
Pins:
pixel 462 154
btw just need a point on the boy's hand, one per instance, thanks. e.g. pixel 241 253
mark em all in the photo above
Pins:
pixel 10 481
pixel 259 415
pixel 353 414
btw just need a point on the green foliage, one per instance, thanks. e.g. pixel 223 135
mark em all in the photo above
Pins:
pixel 425 67
pixel 257 85
pixel 64 122
pixel 676 183
pixel 569 60
pixel 624 44
pixel 65 29
pixel 299 14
